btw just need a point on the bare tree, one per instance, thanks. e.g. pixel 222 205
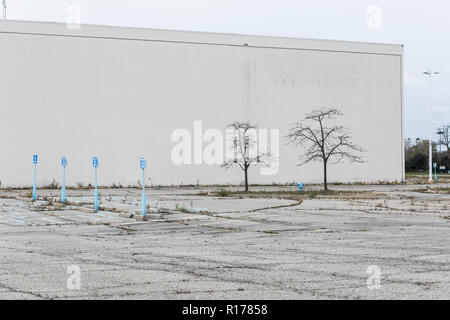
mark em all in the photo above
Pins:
pixel 444 138
pixel 244 147
pixel 323 142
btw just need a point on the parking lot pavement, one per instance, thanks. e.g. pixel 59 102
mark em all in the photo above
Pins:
pixel 19 213
pixel 206 247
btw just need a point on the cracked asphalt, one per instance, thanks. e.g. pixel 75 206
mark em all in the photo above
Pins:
pixel 199 246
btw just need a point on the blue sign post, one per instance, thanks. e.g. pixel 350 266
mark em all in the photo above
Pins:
pixel 143 165
pixel 95 165
pixel 35 160
pixel 435 172
pixel 63 190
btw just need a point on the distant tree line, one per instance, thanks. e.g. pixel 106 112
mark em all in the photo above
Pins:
pixel 416 153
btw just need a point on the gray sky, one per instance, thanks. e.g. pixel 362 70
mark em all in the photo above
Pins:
pixel 422 26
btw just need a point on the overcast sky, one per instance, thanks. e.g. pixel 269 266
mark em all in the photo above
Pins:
pixel 423 26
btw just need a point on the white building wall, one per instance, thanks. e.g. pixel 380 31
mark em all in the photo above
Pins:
pixel 119 94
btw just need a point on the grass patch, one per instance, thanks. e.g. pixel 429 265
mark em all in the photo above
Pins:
pixel 271 232
pixel 431 190
pixel 296 195
pixel 312 194
pixel 182 209
pixel 222 192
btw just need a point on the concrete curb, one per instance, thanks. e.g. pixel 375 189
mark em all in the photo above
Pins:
pixel 126 215
pixel 87 210
pixel 24 199
pixel 141 218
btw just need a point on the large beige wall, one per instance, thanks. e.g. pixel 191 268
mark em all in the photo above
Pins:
pixel 118 94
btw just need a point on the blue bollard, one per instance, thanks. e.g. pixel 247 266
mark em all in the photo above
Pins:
pixel 143 165
pixel 35 160
pixel 63 189
pixel 95 165
pixel 96 199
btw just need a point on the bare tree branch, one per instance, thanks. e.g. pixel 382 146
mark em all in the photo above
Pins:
pixel 444 138
pixel 323 143
pixel 244 144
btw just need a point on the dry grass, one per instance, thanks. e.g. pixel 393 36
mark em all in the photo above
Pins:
pixel 294 195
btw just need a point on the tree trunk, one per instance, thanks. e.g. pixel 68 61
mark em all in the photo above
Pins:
pixel 325 183
pixel 246 178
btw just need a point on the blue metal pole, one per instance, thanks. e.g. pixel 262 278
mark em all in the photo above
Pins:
pixel 96 191
pixel 144 200
pixel 435 174
pixel 63 191
pixel 34 184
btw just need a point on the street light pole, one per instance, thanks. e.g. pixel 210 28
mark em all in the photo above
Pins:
pixel 440 133
pixel 430 73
